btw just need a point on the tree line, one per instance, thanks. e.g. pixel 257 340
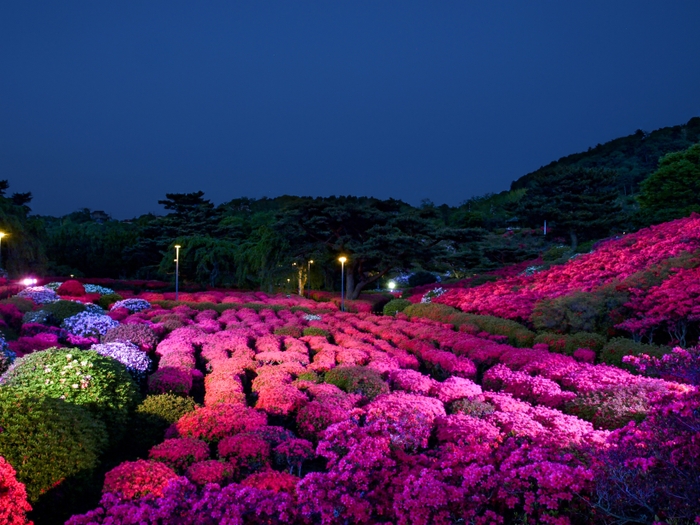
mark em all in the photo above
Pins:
pixel 267 243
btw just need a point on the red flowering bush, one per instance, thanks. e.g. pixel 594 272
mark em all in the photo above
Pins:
pixel 272 480
pixel 13 497
pixel 210 471
pixel 138 479
pixel 72 288
pixel 214 423
pixel 293 453
pixel 281 401
pixel 180 453
pixel 248 451
pixel 318 415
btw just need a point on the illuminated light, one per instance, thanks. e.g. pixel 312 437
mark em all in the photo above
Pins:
pixel 392 285
pixel 29 281
pixel 342 259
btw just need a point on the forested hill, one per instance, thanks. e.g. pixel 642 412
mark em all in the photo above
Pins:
pixel 633 157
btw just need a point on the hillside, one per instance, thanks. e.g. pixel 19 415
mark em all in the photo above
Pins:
pixel 634 157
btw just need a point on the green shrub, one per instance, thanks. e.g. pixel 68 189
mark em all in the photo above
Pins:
pixel 435 311
pixel 100 384
pixel 579 311
pixel 108 300
pixel 292 331
pixel 472 408
pixel 618 347
pixel 310 376
pixel 47 440
pixel 311 330
pixel 22 304
pixel 610 409
pixel 586 340
pixel 153 416
pixel 518 335
pixel 556 342
pixel 395 305
pixel 555 253
pixel 61 310
pixel 357 380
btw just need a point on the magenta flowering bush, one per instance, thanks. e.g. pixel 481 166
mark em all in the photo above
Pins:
pixel 180 453
pixel 525 428
pixel 214 423
pixel 138 479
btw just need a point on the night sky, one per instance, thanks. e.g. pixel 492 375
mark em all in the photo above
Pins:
pixel 109 105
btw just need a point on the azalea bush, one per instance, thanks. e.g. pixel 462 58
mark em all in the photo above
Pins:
pixel 141 335
pixel 39 294
pixel 85 378
pixel 137 362
pixel 47 440
pixel 89 324
pixel 13 497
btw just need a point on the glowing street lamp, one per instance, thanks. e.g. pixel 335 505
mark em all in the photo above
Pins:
pixel 392 285
pixel 342 260
pixel 2 234
pixel 177 269
pixel 308 276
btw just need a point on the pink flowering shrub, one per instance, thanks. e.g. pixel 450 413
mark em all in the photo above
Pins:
pixel 293 453
pixel 137 479
pixel 408 418
pixel 281 401
pixel 179 453
pixel 272 480
pixel 13 497
pixel 681 365
pixel 248 451
pixel 183 503
pixel 210 471
pixel 213 423
pixel 650 469
pixel 535 389
pixel 454 388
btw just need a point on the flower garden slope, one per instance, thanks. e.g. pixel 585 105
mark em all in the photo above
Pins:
pixel 515 297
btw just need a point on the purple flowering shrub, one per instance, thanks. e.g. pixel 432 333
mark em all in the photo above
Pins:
pixel 39 294
pixel 132 304
pixel 137 363
pixel 88 324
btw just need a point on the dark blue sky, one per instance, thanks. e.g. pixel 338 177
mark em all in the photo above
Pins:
pixel 109 105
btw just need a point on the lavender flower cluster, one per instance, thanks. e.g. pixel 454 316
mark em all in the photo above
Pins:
pixel 39 294
pixel 136 361
pixel 133 305
pixel 95 288
pixel 88 324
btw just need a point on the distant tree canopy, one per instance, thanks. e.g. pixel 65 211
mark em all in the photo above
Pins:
pixel 577 201
pixel 21 248
pixel 633 157
pixel 672 191
pixel 266 243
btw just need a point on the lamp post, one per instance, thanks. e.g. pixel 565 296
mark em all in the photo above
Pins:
pixel 342 260
pixel 392 285
pixel 177 270
pixel 2 234
pixel 308 277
